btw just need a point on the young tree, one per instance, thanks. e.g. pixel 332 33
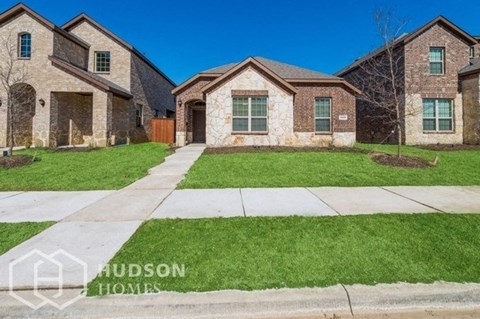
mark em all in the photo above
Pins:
pixel 13 78
pixel 381 78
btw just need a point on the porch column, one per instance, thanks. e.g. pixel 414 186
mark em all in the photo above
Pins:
pixel 102 118
pixel 180 125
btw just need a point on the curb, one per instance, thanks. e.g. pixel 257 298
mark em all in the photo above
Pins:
pixel 336 301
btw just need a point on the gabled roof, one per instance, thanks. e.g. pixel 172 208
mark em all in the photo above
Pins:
pixel 83 17
pixel 472 68
pixel 285 73
pixel 405 38
pixel 21 8
pixel 240 66
pixel 90 77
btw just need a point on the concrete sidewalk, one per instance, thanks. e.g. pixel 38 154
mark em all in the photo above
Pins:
pixel 385 301
pixel 322 201
pixel 93 225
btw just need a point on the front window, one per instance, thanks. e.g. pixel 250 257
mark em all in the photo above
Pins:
pixel 250 114
pixel 323 114
pixel 25 46
pixel 437 115
pixel 437 61
pixel 139 115
pixel 472 52
pixel 102 62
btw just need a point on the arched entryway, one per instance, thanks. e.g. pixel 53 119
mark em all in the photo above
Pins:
pixel 197 121
pixel 23 100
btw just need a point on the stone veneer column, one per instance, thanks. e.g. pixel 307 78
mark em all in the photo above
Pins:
pixel 102 119
pixel 39 131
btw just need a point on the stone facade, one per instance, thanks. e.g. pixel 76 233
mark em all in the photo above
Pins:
pixel 72 103
pixel 290 114
pixel 219 112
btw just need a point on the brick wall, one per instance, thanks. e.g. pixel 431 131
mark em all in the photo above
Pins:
pixel 471 105
pixel 343 103
pixel 74 115
pixel 120 65
pixel 192 92
pixel 70 51
pixel 151 90
pixel 375 123
pixel 420 84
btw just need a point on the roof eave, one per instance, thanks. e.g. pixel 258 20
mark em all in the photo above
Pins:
pixel 176 91
pixel 328 81
pixel 448 23
pixel 61 64
pixel 20 8
pixel 239 66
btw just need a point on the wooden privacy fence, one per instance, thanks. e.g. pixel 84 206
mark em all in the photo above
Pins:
pixel 163 130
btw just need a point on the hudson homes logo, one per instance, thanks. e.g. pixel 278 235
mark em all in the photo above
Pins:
pixel 38 279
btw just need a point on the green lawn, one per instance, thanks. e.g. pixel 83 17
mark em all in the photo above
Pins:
pixel 110 168
pixel 303 169
pixel 260 253
pixel 14 234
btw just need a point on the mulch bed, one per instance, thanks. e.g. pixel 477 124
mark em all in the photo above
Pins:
pixel 260 149
pixel 76 149
pixel 450 147
pixel 402 161
pixel 15 161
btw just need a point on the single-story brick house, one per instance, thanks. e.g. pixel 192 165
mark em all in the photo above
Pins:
pixel 265 103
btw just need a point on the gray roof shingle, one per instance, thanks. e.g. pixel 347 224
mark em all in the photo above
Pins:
pixel 472 67
pixel 283 70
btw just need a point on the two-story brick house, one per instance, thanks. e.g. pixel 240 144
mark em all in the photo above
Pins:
pixel 439 85
pixel 86 85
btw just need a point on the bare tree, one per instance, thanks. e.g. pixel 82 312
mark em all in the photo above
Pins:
pixel 381 77
pixel 13 78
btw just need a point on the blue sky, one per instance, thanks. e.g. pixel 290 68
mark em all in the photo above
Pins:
pixel 185 37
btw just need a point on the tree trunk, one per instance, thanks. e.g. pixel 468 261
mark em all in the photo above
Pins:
pixel 399 139
pixel 10 138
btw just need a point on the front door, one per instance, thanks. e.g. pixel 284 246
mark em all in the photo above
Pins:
pixel 199 126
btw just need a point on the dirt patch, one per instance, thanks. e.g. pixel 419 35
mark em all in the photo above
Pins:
pixel 450 147
pixel 261 149
pixel 402 161
pixel 15 161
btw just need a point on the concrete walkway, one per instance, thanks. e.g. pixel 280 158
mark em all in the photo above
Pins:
pixel 92 226
pixel 419 301
pixel 323 201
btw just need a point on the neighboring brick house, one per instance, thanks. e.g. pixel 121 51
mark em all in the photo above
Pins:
pixel 440 100
pixel 87 85
pixel 262 102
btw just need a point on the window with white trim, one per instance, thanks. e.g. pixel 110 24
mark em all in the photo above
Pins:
pixel 323 114
pixel 437 61
pixel 250 114
pixel 472 52
pixel 437 115
pixel 102 61
pixel 25 45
